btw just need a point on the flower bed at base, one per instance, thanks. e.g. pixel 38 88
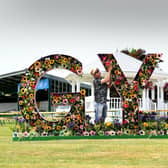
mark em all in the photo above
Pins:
pixel 148 128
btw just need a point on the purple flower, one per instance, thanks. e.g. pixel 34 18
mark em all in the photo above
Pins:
pixel 106 133
pixel 70 125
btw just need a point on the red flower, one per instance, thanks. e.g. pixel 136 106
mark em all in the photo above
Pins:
pixel 125 122
pixel 117 82
pixel 32 123
pixel 136 87
pixel 107 64
pixel 125 105
pixel 72 101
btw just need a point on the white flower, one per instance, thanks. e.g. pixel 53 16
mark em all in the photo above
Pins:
pixel 38 69
pixel 112 133
pixel 44 133
pixel 141 132
pixel 47 58
pixel 167 132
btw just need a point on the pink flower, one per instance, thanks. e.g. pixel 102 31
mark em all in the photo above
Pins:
pixel 85 133
pixel 104 58
pixel 65 101
pixel 92 133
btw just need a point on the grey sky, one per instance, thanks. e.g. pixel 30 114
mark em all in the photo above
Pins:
pixel 31 29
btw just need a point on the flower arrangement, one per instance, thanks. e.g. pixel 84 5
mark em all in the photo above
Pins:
pixel 27 92
pixel 130 92
pixel 74 120
pixel 136 53
pixel 73 128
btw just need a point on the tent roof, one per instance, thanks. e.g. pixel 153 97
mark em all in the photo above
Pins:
pixel 9 81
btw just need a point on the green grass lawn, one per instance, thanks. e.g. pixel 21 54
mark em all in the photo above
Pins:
pixel 122 153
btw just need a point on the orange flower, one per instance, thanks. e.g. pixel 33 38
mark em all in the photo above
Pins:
pixel 67 119
pixel 30 108
pixel 46 62
pixel 58 127
pixel 27 117
pixel 140 74
pixel 24 78
pixel 20 102
pixel 108 124
pixel 132 96
pixel 145 124
pixel 37 64
pixel 49 128
pixel 83 92
pixel 166 125
pixel 148 57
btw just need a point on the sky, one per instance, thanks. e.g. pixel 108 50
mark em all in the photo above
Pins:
pixel 31 29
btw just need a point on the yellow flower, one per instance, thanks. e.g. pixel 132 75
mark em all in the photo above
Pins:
pixel 22 90
pixel 77 68
pixel 166 125
pixel 65 60
pixel 52 61
pixel 31 95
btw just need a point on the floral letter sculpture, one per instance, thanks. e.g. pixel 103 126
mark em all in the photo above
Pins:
pixel 130 92
pixel 27 101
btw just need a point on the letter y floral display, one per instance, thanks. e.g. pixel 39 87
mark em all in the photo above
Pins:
pixel 130 92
